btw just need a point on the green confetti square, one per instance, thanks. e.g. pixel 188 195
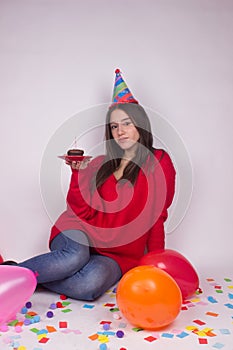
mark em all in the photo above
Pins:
pixel 137 329
pixel 66 310
pixel 12 323
pixel 227 279
pixel 114 309
pixel 219 291
pixel 34 330
pixel 66 303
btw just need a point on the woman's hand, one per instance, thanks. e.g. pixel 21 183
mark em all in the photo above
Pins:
pixel 79 164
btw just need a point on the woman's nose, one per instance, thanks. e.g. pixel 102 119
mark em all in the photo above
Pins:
pixel 120 129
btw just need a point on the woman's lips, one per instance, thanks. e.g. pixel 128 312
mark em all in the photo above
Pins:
pixel 123 139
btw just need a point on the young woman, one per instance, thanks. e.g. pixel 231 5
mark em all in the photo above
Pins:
pixel 116 208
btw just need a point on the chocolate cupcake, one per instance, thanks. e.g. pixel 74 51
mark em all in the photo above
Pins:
pixel 75 152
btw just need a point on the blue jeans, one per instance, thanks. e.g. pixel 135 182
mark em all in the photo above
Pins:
pixel 70 269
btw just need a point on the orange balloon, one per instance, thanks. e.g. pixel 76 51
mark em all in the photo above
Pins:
pixel 148 297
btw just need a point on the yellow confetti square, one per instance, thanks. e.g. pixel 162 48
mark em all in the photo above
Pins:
pixel 40 336
pixel 103 338
pixel 230 287
pixel 191 328
pixel 201 334
pixel 195 300
pixel 207 329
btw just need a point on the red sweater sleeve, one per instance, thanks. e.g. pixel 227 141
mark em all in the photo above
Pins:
pixel 156 238
pixel 79 194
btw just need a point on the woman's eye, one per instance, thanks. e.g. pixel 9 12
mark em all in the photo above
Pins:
pixel 127 123
pixel 113 127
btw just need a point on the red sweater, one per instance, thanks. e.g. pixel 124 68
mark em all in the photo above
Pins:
pixel 120 219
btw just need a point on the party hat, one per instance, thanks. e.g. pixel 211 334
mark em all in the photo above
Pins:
pixel 121 92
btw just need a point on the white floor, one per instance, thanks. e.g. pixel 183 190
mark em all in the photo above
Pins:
pixel 214 308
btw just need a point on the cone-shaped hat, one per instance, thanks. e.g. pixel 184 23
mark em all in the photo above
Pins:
pixel 121 92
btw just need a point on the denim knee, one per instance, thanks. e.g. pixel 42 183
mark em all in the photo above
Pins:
pixel 98 276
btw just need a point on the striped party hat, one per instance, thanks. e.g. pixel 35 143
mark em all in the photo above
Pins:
pixel 121 92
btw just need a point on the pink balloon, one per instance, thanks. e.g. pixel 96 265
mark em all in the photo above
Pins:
pixel 17 284
pixel 177 266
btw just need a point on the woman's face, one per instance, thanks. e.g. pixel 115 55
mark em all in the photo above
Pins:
pixel 123 130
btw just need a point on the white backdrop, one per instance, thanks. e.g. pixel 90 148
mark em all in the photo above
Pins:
pixel 58 58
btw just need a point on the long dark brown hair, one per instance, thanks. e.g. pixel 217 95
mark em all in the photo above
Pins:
pixel 114 152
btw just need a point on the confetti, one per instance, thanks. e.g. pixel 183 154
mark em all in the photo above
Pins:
pixel 199 332
pixel 218 345
pixel 184 308
pixel 137 329
pixel 114 309
pixel 150 339
pixel 62 324
pixel 66 311
pixel 212 314
pixel 230 306
pixel 43 340
pixel 225 331
pixel 93 336
pixel 88 306
pixel 212 299
pixel 109 305
pixel 199 322
pixel 167 335
pixel 182 335
pixel 51 329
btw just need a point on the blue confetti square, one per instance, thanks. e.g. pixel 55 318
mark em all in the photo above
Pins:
pixel 212 299
pixel 218 345
pixel 88 306
pixel 225 331
pixel 167 335
pixel 182 335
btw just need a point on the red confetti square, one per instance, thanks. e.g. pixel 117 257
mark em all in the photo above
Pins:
pixel 150 339
pixel 202 341
pixel 43 340
pixel 109 304
pixel 103 322
pixel 62 324
pixel 201 323
pixel 184 308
